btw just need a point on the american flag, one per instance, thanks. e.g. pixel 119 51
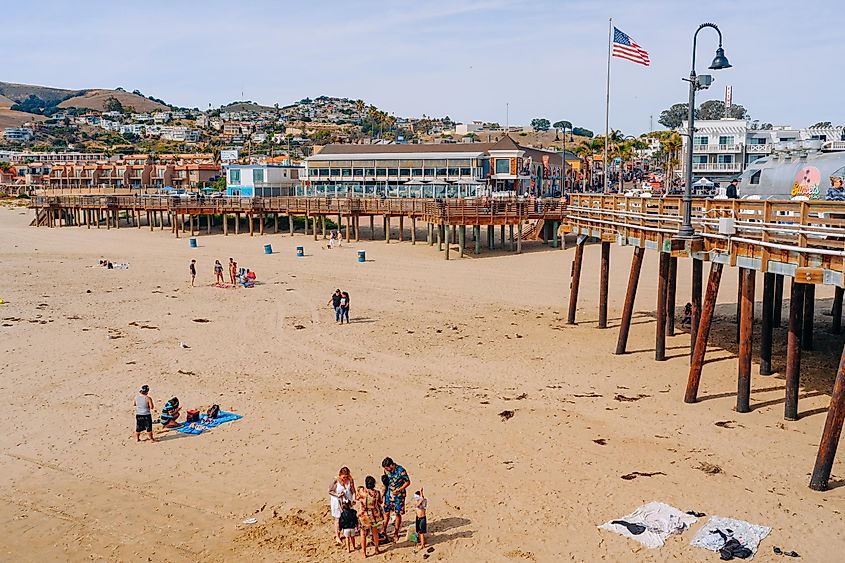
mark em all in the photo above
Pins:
pixel 626 48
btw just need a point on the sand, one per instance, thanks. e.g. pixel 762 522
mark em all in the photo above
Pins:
pixel 435 352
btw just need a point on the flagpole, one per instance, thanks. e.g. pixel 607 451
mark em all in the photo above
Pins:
pixel 607 102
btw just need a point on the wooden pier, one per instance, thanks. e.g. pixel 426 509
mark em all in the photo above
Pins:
pixel 802 240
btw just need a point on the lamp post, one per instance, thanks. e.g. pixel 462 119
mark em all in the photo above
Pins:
pixel 563 168
pixel 697 83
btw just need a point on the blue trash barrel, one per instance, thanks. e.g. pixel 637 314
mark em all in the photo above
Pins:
pixel 362 256
pixel 268 249
pixel 300 251
pixel 193 242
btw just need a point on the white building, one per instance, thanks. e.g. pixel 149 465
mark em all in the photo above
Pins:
pixel 723 148
pixel 467 128
pixel 18 134
pixel 254 180
pixel 181 134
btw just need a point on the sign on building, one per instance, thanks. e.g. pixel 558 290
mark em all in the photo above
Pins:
pixel 229 155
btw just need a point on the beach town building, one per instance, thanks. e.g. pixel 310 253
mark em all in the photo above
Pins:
pixel 434 170
pixel 262 180
pixel 723 148
pixel 179 171
pixel 18 134
pixel 24 156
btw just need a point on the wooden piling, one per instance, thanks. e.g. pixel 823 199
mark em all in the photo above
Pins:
pixel 462 237
pixel 225 224
pixel 777 306
pixel 808 317
pixel 746 340
pixel 439 237
pixel 832 431
pixel 372 228
pixel 476 229
pixel 630 296
pixel 430 234
pixel 519 238
pixel 413 230
pixel 671 295
pixel 836 311
pixel 604 280
pixel 695 302
pixel 238 224
pixel 662 300
pixel 252 225
pixel 767 326
pixel 708 307
pixel 401 228
pixel 275 223
pixel 793 351
pixel 738 301
pixel 446 232
pixel 575 281
pixel 290 224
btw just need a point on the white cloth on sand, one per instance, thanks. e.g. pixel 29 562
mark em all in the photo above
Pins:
pixel 659 519
pixel 749 535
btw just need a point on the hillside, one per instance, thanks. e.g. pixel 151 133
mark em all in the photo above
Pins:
pixel 91 98
pixel 10 118
pixel 95 99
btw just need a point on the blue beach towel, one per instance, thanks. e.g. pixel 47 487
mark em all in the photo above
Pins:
pixel 205 423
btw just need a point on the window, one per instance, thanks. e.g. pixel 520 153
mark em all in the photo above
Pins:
pixel 725 158
pixel 503 166
pixel 370 172
pixel 428 172
pixel 700 140
pixel 335 171
pixel 234 177
pixel 358 172
pixel 757 141
pixel 726 139
pixel 819 137
pixel 346 172
pixel 416 171
pixel 755 178
pixel 381 171
pixel 466 171
pixel 454 171
pixel 324 171
pixel 699 159
pixel 392 171
pixel 257 175
pixel 442 172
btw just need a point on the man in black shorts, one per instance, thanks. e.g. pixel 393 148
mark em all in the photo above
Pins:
pixel 193 268
pixel 144 413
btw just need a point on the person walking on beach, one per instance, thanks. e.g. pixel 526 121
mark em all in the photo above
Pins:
pixel 344 307
pixel 144 414
pixel 218 272
pixel 335 302
pixel 341 490
pixel 331 240
pixel 395 500
pixel 193 269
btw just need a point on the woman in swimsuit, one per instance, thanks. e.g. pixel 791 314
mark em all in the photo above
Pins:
pixel 371 514
pixel 218 272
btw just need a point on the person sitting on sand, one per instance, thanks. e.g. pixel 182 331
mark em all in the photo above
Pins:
pixel 371 513
pixel 687 318
pixel 250 276
pixel 170 413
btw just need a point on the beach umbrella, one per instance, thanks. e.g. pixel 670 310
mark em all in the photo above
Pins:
pixel 704 183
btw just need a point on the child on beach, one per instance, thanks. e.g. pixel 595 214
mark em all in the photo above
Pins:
pixel 687 319
pixel 348 523
pixel 421 525
pixel 193 269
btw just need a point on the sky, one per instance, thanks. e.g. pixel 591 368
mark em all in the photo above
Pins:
pixel 468 59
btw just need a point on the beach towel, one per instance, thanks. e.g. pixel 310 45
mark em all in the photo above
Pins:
pixel 718 530
pixel 222 285
pixel 205 423
pixel 651 524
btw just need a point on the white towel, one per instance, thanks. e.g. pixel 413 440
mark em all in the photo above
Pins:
pixel 749 535
pixel 660 521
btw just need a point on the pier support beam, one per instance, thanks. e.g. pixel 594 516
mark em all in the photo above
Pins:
pixel 502 235
pixel 413 230
pixel 671 295
pixel 832 431
pixel 490 241
pixel 766 329
pixel 290 224
pixel 401 228
pixel 695 302
pixel 462 238
pixel 836 311
pixel 603 283
pixel 439 237
pixel 387 229
pixel 372 228
pixel 275 222
pixel 808 317
pixel 746 341
pixel 430 234
pixel 476 230
pixel 630 296
pixel 777 306
pixel 575 280
pixel 446 232
pixel 703 333
pixel 662 299
pixel 793 351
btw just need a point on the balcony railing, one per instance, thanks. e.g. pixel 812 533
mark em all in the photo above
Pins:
pixel 759 149
pixel 717 148
pixel 716 166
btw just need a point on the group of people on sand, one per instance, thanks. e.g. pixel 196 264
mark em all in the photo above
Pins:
pixel 144 407
pixel 237 276
pixel 375 506
pixel 335 239
pixel 340 302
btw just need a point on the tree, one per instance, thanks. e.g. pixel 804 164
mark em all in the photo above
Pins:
pixel 562 124
pixel 821 125
pixel 581 132
pixel 113 104
pixel 715 109
pixel 673 116
pixel 540 124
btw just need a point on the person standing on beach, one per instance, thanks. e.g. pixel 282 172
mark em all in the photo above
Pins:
pixel 335 302
pixel 395 502
pixel 341 490
pixel 233 270
pixel 218 272
pixel 144 414
pixel 344 307
pixel 193 268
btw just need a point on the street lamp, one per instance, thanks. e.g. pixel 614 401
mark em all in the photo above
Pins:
pixel 563 168
pixel 697 83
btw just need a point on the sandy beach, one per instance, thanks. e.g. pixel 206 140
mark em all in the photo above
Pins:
pixel 435 351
